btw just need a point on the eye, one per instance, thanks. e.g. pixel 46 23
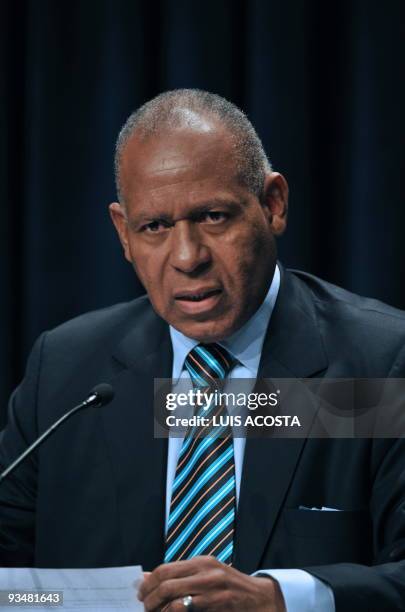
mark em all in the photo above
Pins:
pixel 214 216
pixel 154 227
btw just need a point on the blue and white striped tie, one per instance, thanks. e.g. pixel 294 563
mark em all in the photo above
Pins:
pixel 202 510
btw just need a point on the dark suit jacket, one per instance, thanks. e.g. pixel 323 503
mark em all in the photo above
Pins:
pixel 94 495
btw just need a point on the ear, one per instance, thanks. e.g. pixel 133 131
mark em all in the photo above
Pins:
pixel 119 218
pixel 275 201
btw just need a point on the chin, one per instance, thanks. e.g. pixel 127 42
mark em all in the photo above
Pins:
pixel 206 332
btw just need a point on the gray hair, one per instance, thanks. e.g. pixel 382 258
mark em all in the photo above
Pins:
pixel 187 108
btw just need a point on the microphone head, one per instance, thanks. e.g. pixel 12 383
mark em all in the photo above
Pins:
pixel 104 393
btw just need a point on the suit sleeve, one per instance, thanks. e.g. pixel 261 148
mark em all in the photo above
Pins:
pixel 381 586
pixel 18 491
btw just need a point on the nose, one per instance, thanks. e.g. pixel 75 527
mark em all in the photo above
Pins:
pixel 188 253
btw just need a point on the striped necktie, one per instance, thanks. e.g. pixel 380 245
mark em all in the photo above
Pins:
pixel 202 510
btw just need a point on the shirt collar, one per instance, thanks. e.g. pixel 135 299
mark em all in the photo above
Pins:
pixel 245 344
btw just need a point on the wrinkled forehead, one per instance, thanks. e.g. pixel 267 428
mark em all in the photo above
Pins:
pixel 192 154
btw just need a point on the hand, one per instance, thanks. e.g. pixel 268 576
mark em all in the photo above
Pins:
pixel 215 587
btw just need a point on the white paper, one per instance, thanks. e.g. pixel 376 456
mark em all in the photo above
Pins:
pixel 111 589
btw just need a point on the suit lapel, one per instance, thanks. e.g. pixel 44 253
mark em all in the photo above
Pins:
pixel 138 460
pixel 292 349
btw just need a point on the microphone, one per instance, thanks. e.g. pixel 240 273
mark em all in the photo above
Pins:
pixel 101 395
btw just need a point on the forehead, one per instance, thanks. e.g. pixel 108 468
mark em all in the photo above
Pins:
pixel 183 163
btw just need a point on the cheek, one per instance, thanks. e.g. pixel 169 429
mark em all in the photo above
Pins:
pixel 250 253
pixel 142 264
pixel 149 268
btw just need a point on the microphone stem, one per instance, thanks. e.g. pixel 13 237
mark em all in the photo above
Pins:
pixel 90 400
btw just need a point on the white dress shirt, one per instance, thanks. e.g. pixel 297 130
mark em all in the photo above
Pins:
pixel 302 592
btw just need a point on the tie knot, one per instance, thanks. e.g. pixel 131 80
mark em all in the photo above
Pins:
pixel 209 363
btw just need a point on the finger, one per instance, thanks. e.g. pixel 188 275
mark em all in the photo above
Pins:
pixel 178 606
pixel 167 593
pixel 171 571
pixel 207 603
pixel 202 583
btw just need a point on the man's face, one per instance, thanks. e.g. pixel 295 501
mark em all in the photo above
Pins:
pixel 201 244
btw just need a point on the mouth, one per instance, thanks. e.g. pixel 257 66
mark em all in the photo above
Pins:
pixel 197 296
pixel 199 301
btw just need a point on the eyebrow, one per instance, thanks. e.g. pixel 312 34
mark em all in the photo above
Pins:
pixel 142 218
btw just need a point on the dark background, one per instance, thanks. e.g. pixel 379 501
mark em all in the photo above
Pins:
pixel 321 81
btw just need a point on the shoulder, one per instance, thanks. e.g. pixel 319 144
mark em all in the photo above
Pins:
pixel 356 329
pixel 71 358
pixel 342 303
pixel 102 326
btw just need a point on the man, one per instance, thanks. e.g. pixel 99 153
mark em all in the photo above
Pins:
pixel 199 211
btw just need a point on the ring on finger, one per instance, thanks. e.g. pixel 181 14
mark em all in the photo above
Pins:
pixel 188 603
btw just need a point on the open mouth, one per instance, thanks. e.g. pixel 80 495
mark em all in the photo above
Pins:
pixel 198 297
pixel 199 303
